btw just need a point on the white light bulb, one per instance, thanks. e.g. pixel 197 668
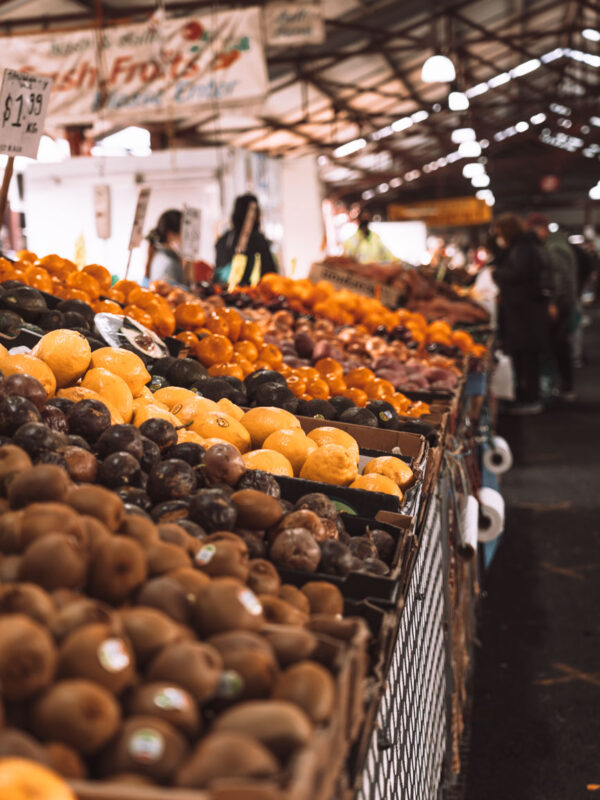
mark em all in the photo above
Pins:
pixel 438 69
pixel 472 169
pixel 537 119
pixel 463 135
pixel 522 126
pixel 469 149
pixel 402 124
pixel 349 148
pixel 591 34
pixel 480 181
pixel 458 101
pixel 595 192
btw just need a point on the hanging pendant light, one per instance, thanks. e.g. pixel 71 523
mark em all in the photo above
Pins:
pixel 438 69
pixel 458 101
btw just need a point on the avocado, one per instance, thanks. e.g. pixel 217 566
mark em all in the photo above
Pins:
pixel 359 416
pixel 185 371
pixel 51 320
pixel 218 388
pixel 340 404
pixel 79 307
pixel 25 301
pixel 10 323
pixel 321 409
pixel 273 393
pixel 386 414
pixel 260 376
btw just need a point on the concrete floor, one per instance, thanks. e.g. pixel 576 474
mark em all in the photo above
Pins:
pixel 536 711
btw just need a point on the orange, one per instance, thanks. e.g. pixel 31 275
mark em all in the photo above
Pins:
pixel 142 402
pixel 296 384
pixel 261 422
pixel 309 373
pixel 222 426
pixel 400 402
pixel 38 278
pixel 86 283
pixel 246 349
pixel 188 338
pixel 391 467
pixel 77 393
pixel 329 366
pixel 271 354
pixel 190 315
pixel 330 463
pixel 116 295
pixel 141 297
pixel 214 349
pixel 269 461
pixel 251 332
pixel 377 483
pixel 327 434
pixel 27 255
pixel 462 340
pixel 139 315
pixel 359 377
pixel 112 387
pixel 23 364
pixel 227 369
pixel 100 274
pixel 22 779
pixel 358 397
pixel 246 366
pixel 125 287
pixel 217 324
pixel 234 322
pixel 163 319
pixel 66 352
pixel 318 388
pixel 71 293
pixel 123 363
pixel 230 408
pixel 293 443
pixel 107 307
pixel 379 389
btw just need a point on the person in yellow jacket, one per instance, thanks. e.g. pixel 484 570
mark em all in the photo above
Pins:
pixel 365 245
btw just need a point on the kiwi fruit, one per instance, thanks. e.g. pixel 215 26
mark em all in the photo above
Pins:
pixel 225 605
pixel 310 686
pixel 278 612
pixel 28 599
pixel 77 713
pixel 10 566
pixel 324 598
pixel 97 502
pixel 97 532
pixel 293 596
pixel 282 727
pixel 12 461
pixel 344 629
pixel 95 652
pixel 227 754
pixel 169 702
pixel 263 578
pixel 15 743
pixel 252 673
pixel 117 569
pixel 83 611
pixel 46 482
pixel 130 778
pixel 164 557
pixel 11 525
pixel 256 510
pixel 148 630
pixel 195 666
pixel 224 558
pixel 232 641
pixel 67 558
pixel 148 745
pixel 171 532
pixel 191 580
pixel 64 597
pixel 40 519
pixel 66 761
pixel 290 643
pixel 168 596
pixel 140 528
pixel 27 657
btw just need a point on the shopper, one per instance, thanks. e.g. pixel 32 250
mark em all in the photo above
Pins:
pixel 244 238
pixel 563 309
pixel 523 276
pixel 164 245
pixel 365 245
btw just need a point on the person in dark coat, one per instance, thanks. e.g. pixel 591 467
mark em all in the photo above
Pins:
pixel 257 244
pixel 524 277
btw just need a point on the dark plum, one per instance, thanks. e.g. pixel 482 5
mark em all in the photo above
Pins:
pixel 160 431
pixel 50 457
pixel 35 438
pixel 192 452
pixel 223 463
pixel 171 511
pixel 150 454
pixel 336 558
pixel 88 418
pixel 319 503
pixel 362 547
pixel 261 481
pixel 218 388
pixel 121 438
pixel 157 382
pixel 213 510
pixel 375 566
pixel 172 479
pixel 135 496
pixel 62 403
pixel 192 528
pixel 119 469
pixel 385 544
pixel 10 323
pixel 78 441
pixel 16 411
pixel 54 418
pixel 24 386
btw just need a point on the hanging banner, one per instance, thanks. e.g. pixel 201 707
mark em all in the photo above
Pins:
pixel 294 24
pixel 149 70
pixel 449 212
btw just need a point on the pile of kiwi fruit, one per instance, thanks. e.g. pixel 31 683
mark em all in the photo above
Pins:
pixel 134 651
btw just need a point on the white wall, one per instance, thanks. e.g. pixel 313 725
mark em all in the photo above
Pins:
pixel 302 218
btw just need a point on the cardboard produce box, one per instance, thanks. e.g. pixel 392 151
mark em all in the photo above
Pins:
pixel 345 279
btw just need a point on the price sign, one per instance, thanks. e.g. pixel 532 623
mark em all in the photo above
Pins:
pixel 190 233
pixel 24 102
pixel 102 210
pixel 139 218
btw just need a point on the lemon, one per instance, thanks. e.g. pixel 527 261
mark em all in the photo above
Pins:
pixel 216 424
pixel 77 393
pixel 29 365
pixel 230 408
pixel 174 395
pixel 67 353
pixel 392 467
pixel 293 444
pixel 261 422
pixel 125 364
pixel 269 461
pixel 327 434
pixel 185 435
pixel 149 411
pixel 330 463
pixel 112 387
pixel 377 483
pixel 193 409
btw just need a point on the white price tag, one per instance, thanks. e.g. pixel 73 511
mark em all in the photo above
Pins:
pixel 24 102
pixel 190 233
pixel 139 218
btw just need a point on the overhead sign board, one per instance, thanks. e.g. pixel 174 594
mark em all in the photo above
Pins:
pixel 447 212
pixel 294 24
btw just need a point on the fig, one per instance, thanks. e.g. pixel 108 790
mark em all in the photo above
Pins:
pixel 223 463
pixel 296 548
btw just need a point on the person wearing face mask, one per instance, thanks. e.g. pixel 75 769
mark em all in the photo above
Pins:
pixel 365 245
pixel 164 244
pixel 523 274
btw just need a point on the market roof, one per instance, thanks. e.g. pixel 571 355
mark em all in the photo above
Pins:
pixel 530 75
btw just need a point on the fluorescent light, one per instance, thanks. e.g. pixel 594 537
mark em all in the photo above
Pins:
pixel 383 188
pixel 472 169
pixel 463 135
pixel 475 91
pixel 498 80
pixel 438 69
pixel 419 116
pixel 469 150
pixel 349 148
pixel 382 133
pixel 525 68
pixel 537 119
pixel 480 181
pixel 368 195
pixel 402 124
pixel 595 121
pixel 595 192
pixel 577 238
pixel 452 157
pixel 522 126
pixel 458 101
pixel 591 34
pixel 552 55
pixel 442 162
pixel 396 182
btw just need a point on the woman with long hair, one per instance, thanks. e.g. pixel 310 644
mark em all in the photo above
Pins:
pixel 523 274
pixel 164 245
pixel 244 238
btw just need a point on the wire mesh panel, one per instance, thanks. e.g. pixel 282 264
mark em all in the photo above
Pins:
pixel 405 756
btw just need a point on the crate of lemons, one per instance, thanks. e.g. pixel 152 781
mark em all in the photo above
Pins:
pixel 269 439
